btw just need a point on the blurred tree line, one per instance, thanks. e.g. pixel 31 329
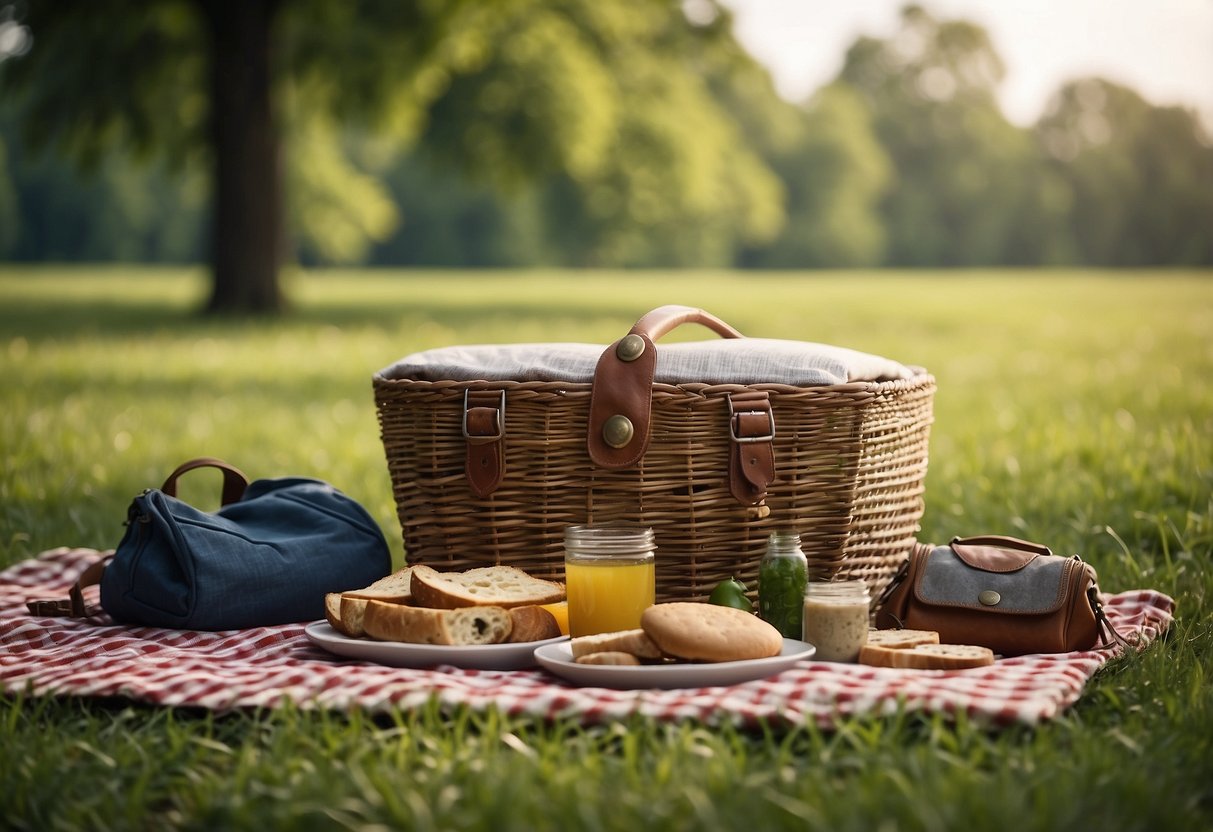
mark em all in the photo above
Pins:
pixel 564 133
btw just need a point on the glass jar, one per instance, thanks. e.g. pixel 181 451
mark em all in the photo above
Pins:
pixel 610 576
pixel 782 575
pixel 836 619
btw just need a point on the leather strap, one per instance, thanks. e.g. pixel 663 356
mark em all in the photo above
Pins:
pixel 74 605
pixel 1004 541
pixel 484 433
pixel 234 480
pixel 752 456
pixel 622 392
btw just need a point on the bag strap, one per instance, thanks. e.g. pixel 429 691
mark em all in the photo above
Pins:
pixel 1004 541
pixel 621 397
pixel 234 480
pixel 73 606
pixel 1107 633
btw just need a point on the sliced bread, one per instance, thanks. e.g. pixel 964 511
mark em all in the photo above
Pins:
pixel 608 657
pixel 533 624
pixel 635 642
pixel 899 639
pixel 397 587
pixel 353 610
pixel 332 612
pixel 501 586
pixel 418 625
pixel 927 656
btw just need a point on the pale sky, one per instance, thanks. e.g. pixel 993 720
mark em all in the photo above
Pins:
pixel 1161 48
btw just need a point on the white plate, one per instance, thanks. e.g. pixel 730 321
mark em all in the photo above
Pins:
pixel 399 654
pixel 558 659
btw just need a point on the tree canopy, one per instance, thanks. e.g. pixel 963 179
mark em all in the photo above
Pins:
pixel 557 132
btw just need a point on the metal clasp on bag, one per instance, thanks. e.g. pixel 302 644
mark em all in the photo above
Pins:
pixel 769 436
pixel 484 433
pixel 499 419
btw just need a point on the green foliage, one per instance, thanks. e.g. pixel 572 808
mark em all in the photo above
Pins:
pixel 610 134
pixel 1074 408
pixel 836 176
pixel 966 177
pixel 1141 176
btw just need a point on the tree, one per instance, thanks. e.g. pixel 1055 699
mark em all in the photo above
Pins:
pixel 183 77
pixel 836 174
pixel 1141 176
pixel 966 179
pixel 602 99
pixel 644 164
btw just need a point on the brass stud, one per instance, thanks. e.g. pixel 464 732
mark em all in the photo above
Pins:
pixel 989 598
pixel 630 347
pixel 617 431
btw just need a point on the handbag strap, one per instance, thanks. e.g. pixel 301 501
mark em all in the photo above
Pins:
pixel 234 480
pixel 1004 541
pixel 74 605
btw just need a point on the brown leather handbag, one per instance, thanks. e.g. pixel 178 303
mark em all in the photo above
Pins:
pixel 1007 594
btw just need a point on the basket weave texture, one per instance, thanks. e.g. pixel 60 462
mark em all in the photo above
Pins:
pixel 850 458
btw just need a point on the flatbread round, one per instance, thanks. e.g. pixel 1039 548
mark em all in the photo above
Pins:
pixel 709 633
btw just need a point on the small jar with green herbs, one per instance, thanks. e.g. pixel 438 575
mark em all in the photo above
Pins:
pixel 782 576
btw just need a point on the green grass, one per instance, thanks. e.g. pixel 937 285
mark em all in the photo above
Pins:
pixel 1074 408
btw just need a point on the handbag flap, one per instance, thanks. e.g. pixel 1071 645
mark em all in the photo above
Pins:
pixel 993 558
pixel 1014 582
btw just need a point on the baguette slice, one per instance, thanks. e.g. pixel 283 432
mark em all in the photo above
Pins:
pixel 899 639
pixel 499 586
pixel 609 657
pixel 397 587
pixel 927 656
pixel 332 612
pixel 353 610
pixel 419 625
pixel 533 624
pixel 635 642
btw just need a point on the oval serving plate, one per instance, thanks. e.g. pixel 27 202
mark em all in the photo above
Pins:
pixel 399 654
pixel 557 658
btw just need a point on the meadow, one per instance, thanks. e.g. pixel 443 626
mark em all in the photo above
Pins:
pixel 1074 408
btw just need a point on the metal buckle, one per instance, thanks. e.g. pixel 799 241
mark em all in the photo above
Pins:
pixel 500 420
pixel 749 440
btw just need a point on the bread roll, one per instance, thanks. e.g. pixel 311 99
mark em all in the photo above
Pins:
pixel 709 633
pixel 533 624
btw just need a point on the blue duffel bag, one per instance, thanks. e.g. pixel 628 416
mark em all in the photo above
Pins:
pixel 269 555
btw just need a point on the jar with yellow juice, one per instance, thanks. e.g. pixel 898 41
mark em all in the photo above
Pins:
pixel 610 576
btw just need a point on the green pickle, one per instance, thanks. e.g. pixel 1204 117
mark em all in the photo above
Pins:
pixel 782 577
pixel 731 593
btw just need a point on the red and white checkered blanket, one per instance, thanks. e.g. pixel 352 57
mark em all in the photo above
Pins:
pixel 269 665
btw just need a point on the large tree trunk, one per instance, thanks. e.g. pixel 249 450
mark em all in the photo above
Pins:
pixel 247 231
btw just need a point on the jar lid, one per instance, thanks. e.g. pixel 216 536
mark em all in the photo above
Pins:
pixel 609 538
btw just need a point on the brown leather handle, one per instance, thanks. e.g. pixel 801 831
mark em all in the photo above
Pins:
pixel 664 319
pixel 234 480
pixel 621 398
pixel 1004 541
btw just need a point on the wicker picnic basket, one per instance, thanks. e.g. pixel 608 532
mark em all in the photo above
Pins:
pixel 487 469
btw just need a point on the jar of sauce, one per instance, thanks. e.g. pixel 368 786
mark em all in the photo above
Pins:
pixel 836 619
pixel 610 576
pixel 782 575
